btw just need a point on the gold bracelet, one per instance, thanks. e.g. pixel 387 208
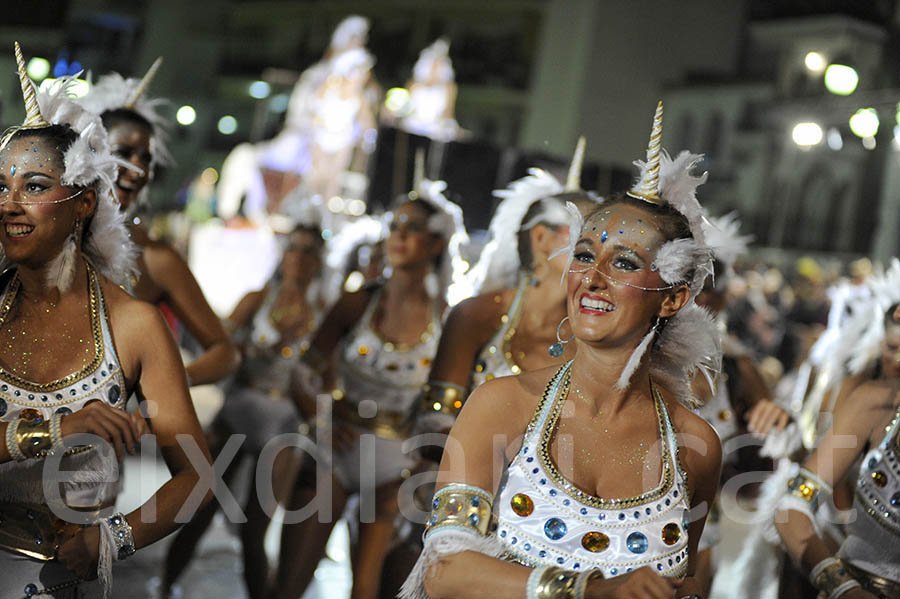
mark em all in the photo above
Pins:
pixel 461 506
pixel 556 583
pixel 11 445
pixel 808 487
pixel 33 436
pixel 830 577
pixel 446 398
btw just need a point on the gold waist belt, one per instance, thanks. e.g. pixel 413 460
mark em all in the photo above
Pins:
pixel 882 587
pixel 388 425
pixel 33 530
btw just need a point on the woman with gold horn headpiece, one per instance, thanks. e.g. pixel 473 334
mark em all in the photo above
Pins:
pixel 510 325
pixel 137 135
pixel 593 499
pixel 73 347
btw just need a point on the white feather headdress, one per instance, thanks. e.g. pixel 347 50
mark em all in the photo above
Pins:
pixel 113 92
pixel 723 236
pixel 448 223
pixel 88 161
pixel 437 53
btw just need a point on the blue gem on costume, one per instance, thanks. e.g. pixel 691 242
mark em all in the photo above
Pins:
pixel 621 516
pixel 648 510
pixel 59 396
pixel 527 546
pixel 502 534
pixel 434 504
pixel 113 394
pixel 474 520
pixel 476 501
pixel 2 408
pixel 636 542
pixel 552 492
pixel 601 516
pixel 555 529
pixel 31 589
pixel 566 502
pixel 873 461
pixel 613 571
pixel 514 540
pixel 535 471
pixel 576 566
pixel 542 553
pixel 543 481
pixel 675 493
pixel 659 567
pixel 604 236
pixel 17 393
pixel 84 387
pixel 4 388
pixel 529 459
pixel 31 396
pixel 63 411
pixel 584 511
pixel 560 560
pixel 895 499
pixel 637 515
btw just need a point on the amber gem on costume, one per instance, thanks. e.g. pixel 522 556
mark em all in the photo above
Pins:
pixel 521 504
pixel 363 350
pixel 32 415
pixel 880 478
pixel 805 490
pixel 595 542
pixel 671 533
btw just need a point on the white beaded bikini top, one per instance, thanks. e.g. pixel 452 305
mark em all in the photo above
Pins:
pixel 496 359
pixel 543 519
pixel 392 375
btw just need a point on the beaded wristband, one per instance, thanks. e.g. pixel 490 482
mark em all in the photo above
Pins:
pixel 830 577
pixel 123 535
pixel 808 487
pixel 533 580
pixel 582 580
pixel 446 398
pixel 556 583
pixel 461 506
pixel 11 445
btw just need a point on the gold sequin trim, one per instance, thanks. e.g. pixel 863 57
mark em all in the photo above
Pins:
pixel 570 489
pixel 93 286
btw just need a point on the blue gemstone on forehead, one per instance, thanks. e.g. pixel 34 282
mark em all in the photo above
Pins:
pixel 604 236
pixel 621 231
pixel 12 170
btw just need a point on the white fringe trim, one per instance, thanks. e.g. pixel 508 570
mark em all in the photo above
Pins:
pixel 443 542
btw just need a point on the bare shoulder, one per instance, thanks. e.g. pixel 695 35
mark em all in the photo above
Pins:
pixel 124 308
pixel 160 253
pixel 483 310
pixel 699 444
pixel 506 405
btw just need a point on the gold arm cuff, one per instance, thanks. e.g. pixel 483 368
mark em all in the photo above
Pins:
pixel 461 506
pixel 556 583
pixel 877 585
pixel 808 487
pixel 833 579
pixel 33 437
pixel 442 397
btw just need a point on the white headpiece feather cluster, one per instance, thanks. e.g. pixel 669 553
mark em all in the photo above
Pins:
pixel 448 223
pixel 112 92
pixel 437 53
pixel 723 236
pixel 88 161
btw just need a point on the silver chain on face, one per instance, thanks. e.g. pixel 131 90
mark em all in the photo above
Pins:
pixel 32 203
pixel 586 272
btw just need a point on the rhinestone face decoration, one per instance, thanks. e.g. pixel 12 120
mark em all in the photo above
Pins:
pixel 595 542
pixel 555 529
pixel 521 504
pixel 671 533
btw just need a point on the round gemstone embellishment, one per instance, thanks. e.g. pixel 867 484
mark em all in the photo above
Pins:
pixel 880 478
pixel 555 529
pixel 521 504
pixel 453 507
pixel 636 542
pixel 595 542
pixel 671 533
pixel 895 499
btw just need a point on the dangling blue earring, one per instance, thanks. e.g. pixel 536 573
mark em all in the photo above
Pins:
pixel 557 349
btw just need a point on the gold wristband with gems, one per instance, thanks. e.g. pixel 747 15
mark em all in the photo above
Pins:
pixel 461 506
pixel 443 397
pixel 33 436
pixel 555 583
pixel 830 577
pixel 808 487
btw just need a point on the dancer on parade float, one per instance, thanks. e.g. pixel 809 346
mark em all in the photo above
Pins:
pixel 273 327
pixel 73 347
pixel 587 507
pixel 432 95
pixel 867 563
pixel 137 136
pixel 381 341
pixel 509 326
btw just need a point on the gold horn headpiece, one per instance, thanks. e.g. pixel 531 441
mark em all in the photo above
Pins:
pixel 135 95
pixel 33 117
pixel 647 188
pixel 573 181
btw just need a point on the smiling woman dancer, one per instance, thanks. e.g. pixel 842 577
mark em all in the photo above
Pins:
pixel 595 500
pixel 137 136
pixel 73 346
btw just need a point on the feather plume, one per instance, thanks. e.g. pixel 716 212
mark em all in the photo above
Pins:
pixel 690 342
pixel 447 222
pixel 724 239
pixel 61 269
pixel 634 360
pixel 498 266
pixel 576 224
